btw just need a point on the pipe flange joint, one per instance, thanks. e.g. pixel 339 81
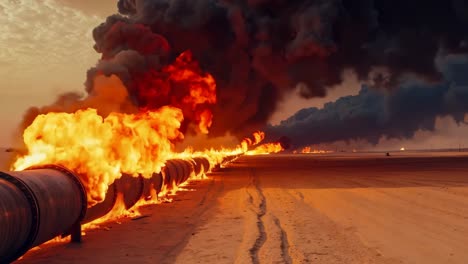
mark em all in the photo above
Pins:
pixel 74 178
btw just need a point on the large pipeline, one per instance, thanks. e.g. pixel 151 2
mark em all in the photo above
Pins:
pixel 37 205
pixel 41 203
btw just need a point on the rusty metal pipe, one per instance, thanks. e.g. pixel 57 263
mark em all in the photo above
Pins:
pixel 201 164
pixel 134 188
pixel 184 170
pixel 131 189
pixel 189 168
pixel 16 219
pixel 152 186
pixel 101 209
pixel 41 203
pixel 171 174
pixel 37 205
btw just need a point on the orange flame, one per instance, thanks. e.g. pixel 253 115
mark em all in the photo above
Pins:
pixel 267 148
pixel 206 119
pixel 309 150
pixel 201 86
pixel 98 149
pixel 259 136
pixel 217 156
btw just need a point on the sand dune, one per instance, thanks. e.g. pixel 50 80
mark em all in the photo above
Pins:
pixel 297 209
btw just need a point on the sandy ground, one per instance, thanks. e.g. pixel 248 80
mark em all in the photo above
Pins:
pixel 297 209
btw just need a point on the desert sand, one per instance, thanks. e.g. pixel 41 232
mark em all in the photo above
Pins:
pixel 353 208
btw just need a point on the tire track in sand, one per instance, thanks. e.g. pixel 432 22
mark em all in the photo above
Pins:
pixel 284 241
pixel 270 232
pixel 260 212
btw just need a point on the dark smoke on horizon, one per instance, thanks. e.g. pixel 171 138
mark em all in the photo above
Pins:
pixel 374 113
pixel 258 50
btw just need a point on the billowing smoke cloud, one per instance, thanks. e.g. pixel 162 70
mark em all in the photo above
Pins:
pixel 109 95
pixel 374 113
pixel 259 49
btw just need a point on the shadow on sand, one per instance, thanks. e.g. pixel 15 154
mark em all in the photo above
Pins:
pixel 314 172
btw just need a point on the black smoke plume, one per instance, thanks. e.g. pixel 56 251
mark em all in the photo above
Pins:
pixel 259 49
pixel 374 113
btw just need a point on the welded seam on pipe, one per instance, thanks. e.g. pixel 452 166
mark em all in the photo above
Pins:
pixel 86 220
pixel 75 179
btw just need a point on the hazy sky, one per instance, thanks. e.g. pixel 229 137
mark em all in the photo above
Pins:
pixel 293 102
pixel 45 48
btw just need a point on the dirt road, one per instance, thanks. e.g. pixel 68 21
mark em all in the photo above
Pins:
pixel 297 209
